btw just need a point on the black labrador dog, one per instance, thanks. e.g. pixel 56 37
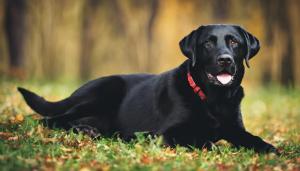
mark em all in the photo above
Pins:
pixel 194 104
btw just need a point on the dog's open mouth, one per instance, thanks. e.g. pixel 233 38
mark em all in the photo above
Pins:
pixel 223 78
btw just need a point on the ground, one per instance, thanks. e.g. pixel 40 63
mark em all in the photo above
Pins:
pixel 272 113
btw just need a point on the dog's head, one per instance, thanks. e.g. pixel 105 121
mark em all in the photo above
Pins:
pixel 217 52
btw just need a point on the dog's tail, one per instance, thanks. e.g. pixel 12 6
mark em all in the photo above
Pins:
pixel 43 107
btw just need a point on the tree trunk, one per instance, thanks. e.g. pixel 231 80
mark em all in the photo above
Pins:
pixel 276 16
pixel 269 13
pixel 287 60
pixel 15 30
pixel 153 13
pixel 87 38
pixel 221 9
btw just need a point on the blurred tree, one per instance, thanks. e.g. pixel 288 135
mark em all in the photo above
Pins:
pixel 15 30
pixel 269 14
pixel 221 9
pixel 153 14
pixel 277 21
pixel 87 37
pixel 137 18
pixel 287 60
pixel 57 39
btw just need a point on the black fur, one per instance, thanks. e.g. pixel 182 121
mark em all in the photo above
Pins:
pixel 165 104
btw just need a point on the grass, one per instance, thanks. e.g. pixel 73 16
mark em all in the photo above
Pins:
pixel 272 113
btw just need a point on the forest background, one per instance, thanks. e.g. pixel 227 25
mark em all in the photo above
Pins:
pixel 86 39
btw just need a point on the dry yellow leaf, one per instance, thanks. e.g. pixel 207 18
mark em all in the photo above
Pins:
pixel 85 169
pixel 19 118
pixel 67 150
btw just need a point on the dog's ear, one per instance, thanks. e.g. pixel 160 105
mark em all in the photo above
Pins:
pixel 252 44
pixel 188 44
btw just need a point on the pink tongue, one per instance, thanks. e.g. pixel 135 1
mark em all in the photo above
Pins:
pixel 224 78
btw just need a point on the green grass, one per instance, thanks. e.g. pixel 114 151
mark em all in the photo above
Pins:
pixel 271 113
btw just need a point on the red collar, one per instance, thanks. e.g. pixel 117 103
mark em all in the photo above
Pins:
pixel 196 88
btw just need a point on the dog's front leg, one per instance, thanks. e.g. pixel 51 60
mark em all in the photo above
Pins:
pixel 240 137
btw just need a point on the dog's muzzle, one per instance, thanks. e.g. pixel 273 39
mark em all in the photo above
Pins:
pixel 226 75
pixel 224 70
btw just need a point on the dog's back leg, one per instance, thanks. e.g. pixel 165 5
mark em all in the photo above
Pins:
pixel 78 111
pixel 99 98
pixel 76 118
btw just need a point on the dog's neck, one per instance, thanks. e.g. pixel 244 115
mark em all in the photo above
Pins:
pixel 197 90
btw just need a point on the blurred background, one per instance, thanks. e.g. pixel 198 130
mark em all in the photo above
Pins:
pixel 85 39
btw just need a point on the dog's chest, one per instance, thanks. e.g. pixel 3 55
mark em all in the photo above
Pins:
pixel 194 132
pixel 221 111
pixel 213 119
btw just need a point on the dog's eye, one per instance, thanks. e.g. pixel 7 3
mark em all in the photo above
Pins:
pixel 208 44
pixel 233 42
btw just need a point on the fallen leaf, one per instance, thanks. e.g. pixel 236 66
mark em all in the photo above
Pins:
pixel 19 118
pixel 195 155
pixel 200 169
pixel 6 135
pixel 85 169
pixel 2 157
pixel 224 167
pixel 40 130
pixel 99 166
pixel 49 140
pixel 28 161
pixel 36 116
pixel 30 133
pixel 67 150
pixel 204 150
pixel 12 119
pixel 254 167
pixel 105 167
pixel 159 159
pixel 277 168
pixel 145 159
pixel 76 157
pixel 171 152
pixel 15 138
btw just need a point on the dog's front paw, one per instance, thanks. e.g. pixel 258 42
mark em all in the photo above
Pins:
pixel 267 148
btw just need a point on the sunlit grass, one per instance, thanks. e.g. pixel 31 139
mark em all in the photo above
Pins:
pixel 271 113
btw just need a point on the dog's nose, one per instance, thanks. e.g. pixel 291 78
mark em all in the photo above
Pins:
pixel 225 60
